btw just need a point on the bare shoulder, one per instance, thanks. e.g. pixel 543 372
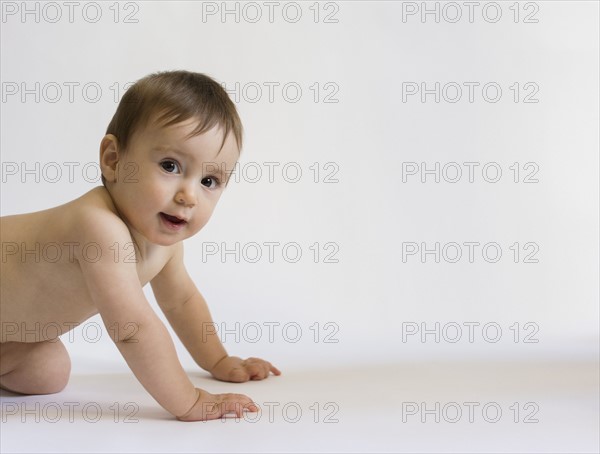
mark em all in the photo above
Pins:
pixel 95 217
pixel 88 218
pixel 92 223
pixel 102 229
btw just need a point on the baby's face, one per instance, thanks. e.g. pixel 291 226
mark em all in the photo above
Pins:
pixel 168 185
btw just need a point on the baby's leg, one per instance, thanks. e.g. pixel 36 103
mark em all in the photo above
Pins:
pixel 34 368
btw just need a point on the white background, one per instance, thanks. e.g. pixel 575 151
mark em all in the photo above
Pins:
pixel 370 296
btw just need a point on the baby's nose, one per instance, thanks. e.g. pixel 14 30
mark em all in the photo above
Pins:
pixel 185 198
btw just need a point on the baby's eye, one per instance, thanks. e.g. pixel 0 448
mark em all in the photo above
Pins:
pixel 170 166
pixel 210 182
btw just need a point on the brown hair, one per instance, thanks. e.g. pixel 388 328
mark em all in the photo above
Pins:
pixel 175 96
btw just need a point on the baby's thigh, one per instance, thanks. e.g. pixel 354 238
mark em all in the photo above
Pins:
pixel 34 368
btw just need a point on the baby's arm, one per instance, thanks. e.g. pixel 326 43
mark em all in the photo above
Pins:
pixel 138 333
pixel 187 312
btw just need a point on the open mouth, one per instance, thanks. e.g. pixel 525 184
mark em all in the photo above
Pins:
pixel 172 221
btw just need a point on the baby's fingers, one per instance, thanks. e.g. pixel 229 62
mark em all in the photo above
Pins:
pixel 215 406
pixel 256 371
pixel 259 368
pixel 236 403
pixel 265 368
pixel 239 375
pixel 274 369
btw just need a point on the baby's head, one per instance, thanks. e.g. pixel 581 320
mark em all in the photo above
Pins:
pixel 171 97
pixel 176 136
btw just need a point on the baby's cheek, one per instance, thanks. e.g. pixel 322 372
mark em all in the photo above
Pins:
pixel 158 194
pixel 206 209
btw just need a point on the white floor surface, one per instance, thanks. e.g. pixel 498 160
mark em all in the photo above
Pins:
pixel 481 407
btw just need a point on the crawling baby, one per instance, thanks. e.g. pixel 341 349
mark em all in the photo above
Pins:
pixel 165 159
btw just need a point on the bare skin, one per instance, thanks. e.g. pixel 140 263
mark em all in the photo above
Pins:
pixel 94 254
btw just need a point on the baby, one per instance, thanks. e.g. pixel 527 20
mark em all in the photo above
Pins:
pixel 165 159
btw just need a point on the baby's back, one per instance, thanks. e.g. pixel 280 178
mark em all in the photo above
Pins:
pixel 42 290
pixel 41 286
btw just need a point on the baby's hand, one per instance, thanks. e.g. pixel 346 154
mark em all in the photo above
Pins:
pixel 213 406
pixel 234 369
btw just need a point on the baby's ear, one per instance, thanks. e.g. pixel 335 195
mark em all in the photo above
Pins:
pixel 109 156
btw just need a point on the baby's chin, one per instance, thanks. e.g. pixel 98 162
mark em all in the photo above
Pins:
pixel 166 240
pixel 156 238
pixel 162 242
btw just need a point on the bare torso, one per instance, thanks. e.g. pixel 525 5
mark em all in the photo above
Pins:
pixel 42 290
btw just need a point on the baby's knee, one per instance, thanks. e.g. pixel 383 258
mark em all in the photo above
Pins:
pixel 44 368
pixel 57 368
pixel 55 384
